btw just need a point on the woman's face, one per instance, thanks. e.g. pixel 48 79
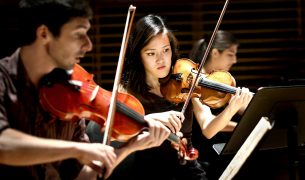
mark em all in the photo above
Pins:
pixel 225 60
pixel 156 57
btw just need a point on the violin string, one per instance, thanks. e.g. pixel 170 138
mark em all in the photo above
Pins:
pixel 217 86
pixel 131 113
pixel 204 57
pixel 122 108
pixel 203 81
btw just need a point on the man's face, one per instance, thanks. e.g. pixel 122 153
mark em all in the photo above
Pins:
pixel 71 45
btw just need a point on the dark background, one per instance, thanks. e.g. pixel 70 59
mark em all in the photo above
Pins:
pixel 271 34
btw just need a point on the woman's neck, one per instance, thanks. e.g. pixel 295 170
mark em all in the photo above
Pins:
pixel 208 67
pixel 154 84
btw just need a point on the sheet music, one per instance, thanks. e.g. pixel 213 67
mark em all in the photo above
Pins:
pixel 246 149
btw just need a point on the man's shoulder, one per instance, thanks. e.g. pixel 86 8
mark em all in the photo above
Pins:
pixel 8 64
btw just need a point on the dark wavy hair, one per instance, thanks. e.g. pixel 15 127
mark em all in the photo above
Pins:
pixel 145 29
pixel 52 13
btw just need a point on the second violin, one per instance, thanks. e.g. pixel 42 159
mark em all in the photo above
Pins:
pixel 212 89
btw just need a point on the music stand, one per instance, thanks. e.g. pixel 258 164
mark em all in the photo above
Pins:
pixel 246 149
pixel 285 107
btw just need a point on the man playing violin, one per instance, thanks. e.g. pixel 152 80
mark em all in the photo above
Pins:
pixel 32 144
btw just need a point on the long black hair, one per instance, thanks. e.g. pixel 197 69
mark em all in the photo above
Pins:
pixel 134 75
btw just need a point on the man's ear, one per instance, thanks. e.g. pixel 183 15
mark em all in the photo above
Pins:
pixel 43 33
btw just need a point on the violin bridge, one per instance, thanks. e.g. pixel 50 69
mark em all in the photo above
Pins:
pixel 94 93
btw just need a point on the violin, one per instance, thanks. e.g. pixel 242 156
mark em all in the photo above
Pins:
pixel 74 95
pixel 212 89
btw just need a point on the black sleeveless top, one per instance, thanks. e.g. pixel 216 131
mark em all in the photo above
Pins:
pixel 160 104
pixel 162 162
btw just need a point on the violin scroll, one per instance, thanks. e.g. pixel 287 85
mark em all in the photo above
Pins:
pixel 184 153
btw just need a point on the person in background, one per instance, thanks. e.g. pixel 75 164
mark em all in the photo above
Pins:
pixel 222 56
pixel 34 145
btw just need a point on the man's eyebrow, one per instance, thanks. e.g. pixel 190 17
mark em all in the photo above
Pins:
pixel 166 45
pixel 80 26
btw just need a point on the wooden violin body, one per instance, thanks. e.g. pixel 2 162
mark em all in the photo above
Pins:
pixel 80 97
pixel 213 89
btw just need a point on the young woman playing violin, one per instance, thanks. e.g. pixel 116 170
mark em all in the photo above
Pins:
pixel 221 58
pixel 163 161
pixel 152 51
pixel 151 55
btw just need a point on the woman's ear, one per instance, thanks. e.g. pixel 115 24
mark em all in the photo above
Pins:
pixel 215 52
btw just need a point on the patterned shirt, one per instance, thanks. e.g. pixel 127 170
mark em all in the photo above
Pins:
pixel 20 109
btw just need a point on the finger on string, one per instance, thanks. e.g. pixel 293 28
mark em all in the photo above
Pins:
pixel 176 122
pixel 174 125
pixel 180 116
pixel 238 91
